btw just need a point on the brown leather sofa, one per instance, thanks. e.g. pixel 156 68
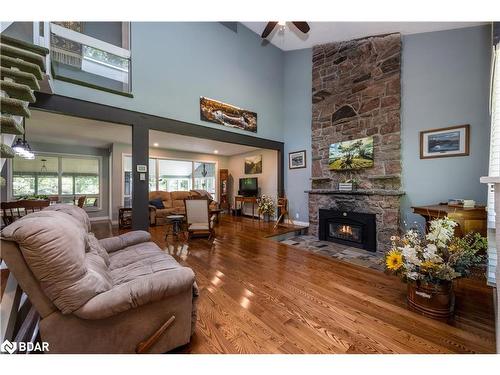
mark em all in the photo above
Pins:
pixel 174 204
pixel 99 296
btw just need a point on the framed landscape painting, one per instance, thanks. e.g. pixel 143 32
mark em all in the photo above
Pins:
pixel 355 154
pixel 228 115
pixel 445 142
pixel 297 159
pixel 253 164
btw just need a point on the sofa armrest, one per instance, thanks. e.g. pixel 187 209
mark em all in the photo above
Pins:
pixel 135 237
pixel 138 292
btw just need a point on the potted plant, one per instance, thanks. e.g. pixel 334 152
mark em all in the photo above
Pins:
pixel 266 207
pixel 429 264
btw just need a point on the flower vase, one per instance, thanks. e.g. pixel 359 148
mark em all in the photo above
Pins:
pixel 433 300
pixel 266 217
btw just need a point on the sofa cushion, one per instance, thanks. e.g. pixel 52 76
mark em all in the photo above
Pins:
pixel 53 245
pixel 180 195
pixel 93 246
pixel 157 203
pixel 139 260
pixel 74 211
pixel 140 274
pixel 122 241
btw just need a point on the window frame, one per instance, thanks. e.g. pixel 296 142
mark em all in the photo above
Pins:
pixel 60 156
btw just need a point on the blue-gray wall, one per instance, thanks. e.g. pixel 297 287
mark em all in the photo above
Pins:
pixel 445 78
pixel 445 82
pixel 174 63
pixel 297 107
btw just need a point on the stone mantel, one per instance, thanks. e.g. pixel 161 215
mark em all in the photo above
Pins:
pixel 357 192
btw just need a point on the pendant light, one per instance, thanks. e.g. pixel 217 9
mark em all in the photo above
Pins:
pixel 22 148
pixel 43 169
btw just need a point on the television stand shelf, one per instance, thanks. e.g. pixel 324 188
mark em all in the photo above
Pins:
pixel 242 200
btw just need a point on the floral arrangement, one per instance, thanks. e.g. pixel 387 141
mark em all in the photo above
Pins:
pixel 265 205
pixel 436 257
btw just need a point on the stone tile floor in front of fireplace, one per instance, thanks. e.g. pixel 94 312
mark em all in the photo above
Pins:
pixel 334 250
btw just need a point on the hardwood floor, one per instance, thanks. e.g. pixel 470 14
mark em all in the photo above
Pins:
pixel 260 296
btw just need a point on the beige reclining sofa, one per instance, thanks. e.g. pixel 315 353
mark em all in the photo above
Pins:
pixel 99 296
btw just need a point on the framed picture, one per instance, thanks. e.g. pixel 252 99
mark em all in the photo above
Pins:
pixel 355 154
pixel 297 159
pixel 445 142
pixel 228 115
pixel 253 164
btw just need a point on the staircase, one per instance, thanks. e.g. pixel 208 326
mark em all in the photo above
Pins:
pixel 22 68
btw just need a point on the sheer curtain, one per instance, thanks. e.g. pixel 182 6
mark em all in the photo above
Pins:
pixel 494 169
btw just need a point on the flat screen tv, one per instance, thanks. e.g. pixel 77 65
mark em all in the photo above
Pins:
pixel 249 187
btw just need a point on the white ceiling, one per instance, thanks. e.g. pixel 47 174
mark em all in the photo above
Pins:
pixel 326 32
pixel 204 146
pixel 49 127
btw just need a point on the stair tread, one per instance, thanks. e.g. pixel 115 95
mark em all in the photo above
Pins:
pixel 6 151
pixel 14 107
pixel 24 66
pixel 20 77
pixel 19 53
pixel 18 91
pixel 9 125
pixel 42 51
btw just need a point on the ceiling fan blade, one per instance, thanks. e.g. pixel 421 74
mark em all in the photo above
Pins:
pixel 269 27
pixel 302 26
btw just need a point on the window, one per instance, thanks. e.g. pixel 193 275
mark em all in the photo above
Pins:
pixel 204 177
pixel 172 175
pixel 64 177
pixel 175 175
pixel 95 54
pixel 494 169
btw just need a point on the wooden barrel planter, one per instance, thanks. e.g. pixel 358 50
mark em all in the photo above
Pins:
pixel 435 301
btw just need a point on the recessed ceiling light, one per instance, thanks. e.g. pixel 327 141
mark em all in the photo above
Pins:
pixel 156 144
pixel 216 151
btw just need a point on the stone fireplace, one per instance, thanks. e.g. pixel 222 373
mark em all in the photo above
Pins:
pixel 356 93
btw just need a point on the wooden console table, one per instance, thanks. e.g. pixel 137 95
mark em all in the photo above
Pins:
pixel 242 200
pixel 468 219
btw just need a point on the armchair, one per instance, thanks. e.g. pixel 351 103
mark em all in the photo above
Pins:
pixel 118 295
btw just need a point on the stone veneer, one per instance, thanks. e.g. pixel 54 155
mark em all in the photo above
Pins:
pixel 357 93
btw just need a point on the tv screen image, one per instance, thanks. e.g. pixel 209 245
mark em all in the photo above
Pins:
pixel 248 186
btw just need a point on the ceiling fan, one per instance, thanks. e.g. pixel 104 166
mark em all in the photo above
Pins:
pixel 302 26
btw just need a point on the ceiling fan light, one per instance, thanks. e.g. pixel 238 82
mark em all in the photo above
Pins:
pixel 18 147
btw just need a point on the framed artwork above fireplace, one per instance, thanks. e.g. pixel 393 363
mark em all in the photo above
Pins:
pixel 354 154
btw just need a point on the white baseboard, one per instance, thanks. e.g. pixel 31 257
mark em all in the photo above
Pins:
pixel 99 218
pixel 300 223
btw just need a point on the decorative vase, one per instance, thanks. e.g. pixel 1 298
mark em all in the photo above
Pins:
pixel 433 300
pixel 267 218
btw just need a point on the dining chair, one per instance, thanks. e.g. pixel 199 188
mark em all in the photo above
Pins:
pixel 198 217
pixel 11 211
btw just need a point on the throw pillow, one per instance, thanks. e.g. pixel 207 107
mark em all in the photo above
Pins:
pixel 157 203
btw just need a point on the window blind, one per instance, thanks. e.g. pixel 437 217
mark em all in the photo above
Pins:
pixel 494 167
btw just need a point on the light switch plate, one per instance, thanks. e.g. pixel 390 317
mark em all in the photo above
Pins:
pixel 142 176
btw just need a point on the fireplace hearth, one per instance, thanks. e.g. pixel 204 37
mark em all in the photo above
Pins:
pixel 348 228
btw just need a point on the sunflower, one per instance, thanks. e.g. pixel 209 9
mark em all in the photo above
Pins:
pixel 394 260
